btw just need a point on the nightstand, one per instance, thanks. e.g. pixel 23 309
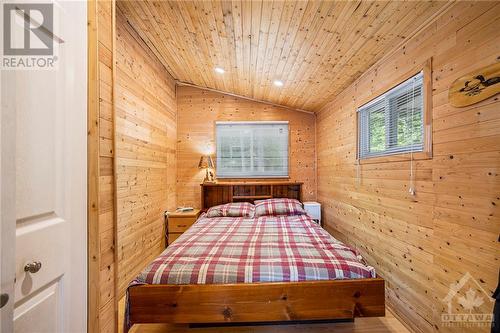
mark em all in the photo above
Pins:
pixel 178 222
pixel 314 210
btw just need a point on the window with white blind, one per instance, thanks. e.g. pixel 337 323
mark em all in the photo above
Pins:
pixel 252 149
pixel 393 123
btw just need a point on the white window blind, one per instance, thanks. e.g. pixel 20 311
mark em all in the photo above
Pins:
pixel 393 122
pixel 252 149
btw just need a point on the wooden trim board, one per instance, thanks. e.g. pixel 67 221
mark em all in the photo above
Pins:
pixel 115 170
pixel 102 304
pixel 92 171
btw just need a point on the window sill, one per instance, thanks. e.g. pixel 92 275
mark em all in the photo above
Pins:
pixel 423 155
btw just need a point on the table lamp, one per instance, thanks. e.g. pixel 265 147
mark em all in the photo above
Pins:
pixel 207 163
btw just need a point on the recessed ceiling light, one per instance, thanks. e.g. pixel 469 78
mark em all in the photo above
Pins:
pixel 220 70
pixel 278 83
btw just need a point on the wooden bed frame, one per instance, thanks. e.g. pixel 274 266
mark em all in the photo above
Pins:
pixel 256 302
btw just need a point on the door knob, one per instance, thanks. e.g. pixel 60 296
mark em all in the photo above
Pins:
pixel 4 299
pixel 33 267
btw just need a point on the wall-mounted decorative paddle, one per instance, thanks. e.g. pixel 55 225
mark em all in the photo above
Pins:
pixel 476 86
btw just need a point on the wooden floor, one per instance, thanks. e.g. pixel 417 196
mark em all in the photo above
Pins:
pixel 388 324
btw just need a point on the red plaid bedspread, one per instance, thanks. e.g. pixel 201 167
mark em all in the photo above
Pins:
pixel 245 250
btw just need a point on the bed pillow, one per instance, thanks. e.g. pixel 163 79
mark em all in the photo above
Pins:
pixel 233 209
pixel 278 206
pixel 215 211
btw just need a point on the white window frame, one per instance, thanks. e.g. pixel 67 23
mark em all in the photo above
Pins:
pixel 247 175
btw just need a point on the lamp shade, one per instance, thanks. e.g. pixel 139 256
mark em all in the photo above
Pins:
pixel 206 162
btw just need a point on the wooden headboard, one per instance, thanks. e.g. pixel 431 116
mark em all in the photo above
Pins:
pixel 221 193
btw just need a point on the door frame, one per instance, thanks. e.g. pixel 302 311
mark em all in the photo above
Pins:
pixel 92 170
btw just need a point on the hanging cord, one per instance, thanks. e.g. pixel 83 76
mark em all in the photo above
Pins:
pixel 411 190
pixel 358 156
pixel 358 178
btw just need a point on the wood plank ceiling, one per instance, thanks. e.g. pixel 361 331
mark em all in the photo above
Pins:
pixel 317 48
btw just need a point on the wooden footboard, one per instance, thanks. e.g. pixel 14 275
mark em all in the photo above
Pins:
pixel 257 302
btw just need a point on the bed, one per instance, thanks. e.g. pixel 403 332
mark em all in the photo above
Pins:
pixel 241 269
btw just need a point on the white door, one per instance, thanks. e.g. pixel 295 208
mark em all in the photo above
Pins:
pixel 7 204
pixel 50 291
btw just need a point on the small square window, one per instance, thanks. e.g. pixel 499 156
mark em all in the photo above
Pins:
pixel 252 149
pixel 393 123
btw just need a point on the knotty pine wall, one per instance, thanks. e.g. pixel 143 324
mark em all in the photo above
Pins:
pixel 146 138
pixel 198 110
pixel 422 245
pixel 102 312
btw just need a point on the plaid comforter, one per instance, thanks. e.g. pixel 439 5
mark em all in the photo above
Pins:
pixel 246 250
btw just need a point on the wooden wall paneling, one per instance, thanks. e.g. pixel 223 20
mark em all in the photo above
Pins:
pixel 146 139
pixel 316 48
pixel 102 305
pixel 423 244
pixel 199 109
